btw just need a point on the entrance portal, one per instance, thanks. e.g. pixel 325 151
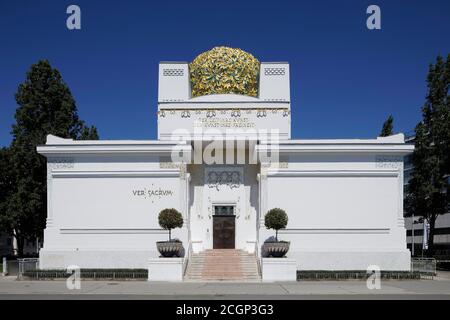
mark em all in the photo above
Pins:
pixel 224 226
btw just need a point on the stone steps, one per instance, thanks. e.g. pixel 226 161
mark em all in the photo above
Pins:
pixel 222 265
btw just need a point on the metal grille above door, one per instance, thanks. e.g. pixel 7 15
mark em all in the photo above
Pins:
pixel 224 210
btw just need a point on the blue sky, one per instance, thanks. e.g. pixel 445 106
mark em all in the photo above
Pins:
pixel 345 79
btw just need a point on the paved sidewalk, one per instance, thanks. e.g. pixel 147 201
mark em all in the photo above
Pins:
pixel 439 288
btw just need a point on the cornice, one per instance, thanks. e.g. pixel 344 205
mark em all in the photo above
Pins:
pixel 72 149
pixel 370 148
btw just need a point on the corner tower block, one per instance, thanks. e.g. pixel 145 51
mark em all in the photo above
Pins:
pixel 173 85
pixel 274 82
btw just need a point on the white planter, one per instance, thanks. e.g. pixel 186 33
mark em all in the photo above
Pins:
pixel 279 269
pixel 165 269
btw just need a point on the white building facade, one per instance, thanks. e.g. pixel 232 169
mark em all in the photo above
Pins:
pixel 226 154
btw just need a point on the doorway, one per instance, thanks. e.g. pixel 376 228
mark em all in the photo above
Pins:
pixel 224 227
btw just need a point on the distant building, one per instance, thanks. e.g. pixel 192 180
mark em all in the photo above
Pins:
pixel 8 246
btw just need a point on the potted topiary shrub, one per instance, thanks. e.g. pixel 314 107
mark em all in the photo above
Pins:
pixel 170 219
pixel 275 219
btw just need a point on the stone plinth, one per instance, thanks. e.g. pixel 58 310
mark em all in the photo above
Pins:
pixel 165 269
pixel 279 269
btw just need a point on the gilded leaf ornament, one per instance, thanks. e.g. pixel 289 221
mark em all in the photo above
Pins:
pixel 223 70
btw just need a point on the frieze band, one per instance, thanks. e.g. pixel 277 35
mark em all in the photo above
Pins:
pixel 233 112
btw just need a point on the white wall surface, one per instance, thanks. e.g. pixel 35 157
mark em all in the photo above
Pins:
pixel 103 210
pixel 345 211
pixel 113 202
pixel 335 202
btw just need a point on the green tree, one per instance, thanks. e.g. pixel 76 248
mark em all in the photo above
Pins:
pixel 45 106
pixel 276 219
pixel 89 133
pixel 428 189
pixel 7 186
pixel 388 127
pixel 169 219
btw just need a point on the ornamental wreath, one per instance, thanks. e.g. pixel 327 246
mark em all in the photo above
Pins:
pixel 224 70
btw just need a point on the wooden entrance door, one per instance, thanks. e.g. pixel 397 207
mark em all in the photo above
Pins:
pixel 224 227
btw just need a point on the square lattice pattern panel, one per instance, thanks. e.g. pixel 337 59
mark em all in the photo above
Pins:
pixel 173 72
pixel 274 71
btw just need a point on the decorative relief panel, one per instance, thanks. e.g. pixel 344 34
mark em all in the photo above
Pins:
pixel 261 113
pixel 173 72
pixel 58 164
pixel 274 71
pixel 275 165
pixel 235 113
pixel 174 165
pixel 185 114
pixel 183 171
pixel 169 165
pixel 388 162
pixel 231 179
pixel 210 113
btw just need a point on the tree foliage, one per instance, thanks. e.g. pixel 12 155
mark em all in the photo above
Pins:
pixel 276 219
pixel 7 186
pixel 89 133
pixel 428 189
pixel 45 106
pixel 388 127
pixel 170 219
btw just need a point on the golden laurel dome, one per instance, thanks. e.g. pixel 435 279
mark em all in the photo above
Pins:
pixel 224 70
